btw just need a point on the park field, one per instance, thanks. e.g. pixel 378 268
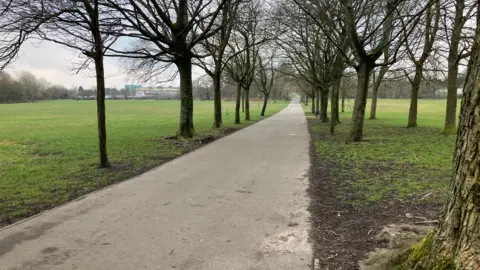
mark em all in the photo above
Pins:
pixel 48 150
pixel 396 175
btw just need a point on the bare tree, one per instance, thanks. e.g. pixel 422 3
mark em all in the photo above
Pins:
pixel 248 34
pixel 455 36
pixel 266 73
pixel 424 36
pixel 216 47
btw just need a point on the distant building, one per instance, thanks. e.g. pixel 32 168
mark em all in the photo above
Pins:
pixel 131 88
pixel 157 91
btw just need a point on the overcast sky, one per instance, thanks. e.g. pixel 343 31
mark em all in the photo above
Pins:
pixel 56 64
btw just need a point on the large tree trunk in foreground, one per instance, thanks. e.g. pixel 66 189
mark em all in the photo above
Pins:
pixel 237 105
pixel 247 104
pixel 217 100
pixel 412 114
pixel 184 66
pixel 455 244
pixel 363 73
pixel 265 102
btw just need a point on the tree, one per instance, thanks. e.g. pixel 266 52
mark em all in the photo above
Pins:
pixel 455 243
pixel 455 35
pixel 167 32
pixel 246 38
pixel 215 47
pixel 30 85
pixel 426 33
pixel 266 76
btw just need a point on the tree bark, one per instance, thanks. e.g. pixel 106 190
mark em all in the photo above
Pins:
pixel 343 101
pixel 334 112
pixel 247 104
pixel 306 100
pixel 452 98
pixel 364 70
pixel 378 81
pixel 184 66
pixel 237 105
pixel 265 102
pixel 243 101
pixel 317 101
pixel 217 99
pixel 455 243
pixel 324 105
pixel 412 114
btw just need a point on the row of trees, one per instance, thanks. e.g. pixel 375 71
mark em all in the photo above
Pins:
pixel 27 88
pixel 381 42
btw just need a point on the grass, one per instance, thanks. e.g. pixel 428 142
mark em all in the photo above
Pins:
pixel 393 163
pixel 48 150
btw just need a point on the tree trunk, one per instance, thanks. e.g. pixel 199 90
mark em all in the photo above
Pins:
pixel 100 74
pixel 412 114
pixel 217 99
pixel 317 101
pixel 313 105
pixel 184 66
pixel 247 104
pixel 451 110
pixel 455 243
pixel 343 101
pixel 243 101
pixel 265 101
pixel 334 112
pixel 453 57
pixel 237 105
pixel 306 100
pixel 358 116
pixel 376 87
pixel 324 105
pixel 373 108
pixel 101 116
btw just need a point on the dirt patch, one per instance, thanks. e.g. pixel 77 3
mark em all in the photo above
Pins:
pixel 343 233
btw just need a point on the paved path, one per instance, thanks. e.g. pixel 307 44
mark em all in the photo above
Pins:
pixel 238 203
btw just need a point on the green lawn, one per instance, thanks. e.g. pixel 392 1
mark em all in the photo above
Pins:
pixel 48 150
pixel 393 163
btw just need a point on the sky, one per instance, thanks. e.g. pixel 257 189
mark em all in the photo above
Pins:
pixel 56 64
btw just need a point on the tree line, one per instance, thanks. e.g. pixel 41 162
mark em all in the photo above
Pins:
pixel 27 88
